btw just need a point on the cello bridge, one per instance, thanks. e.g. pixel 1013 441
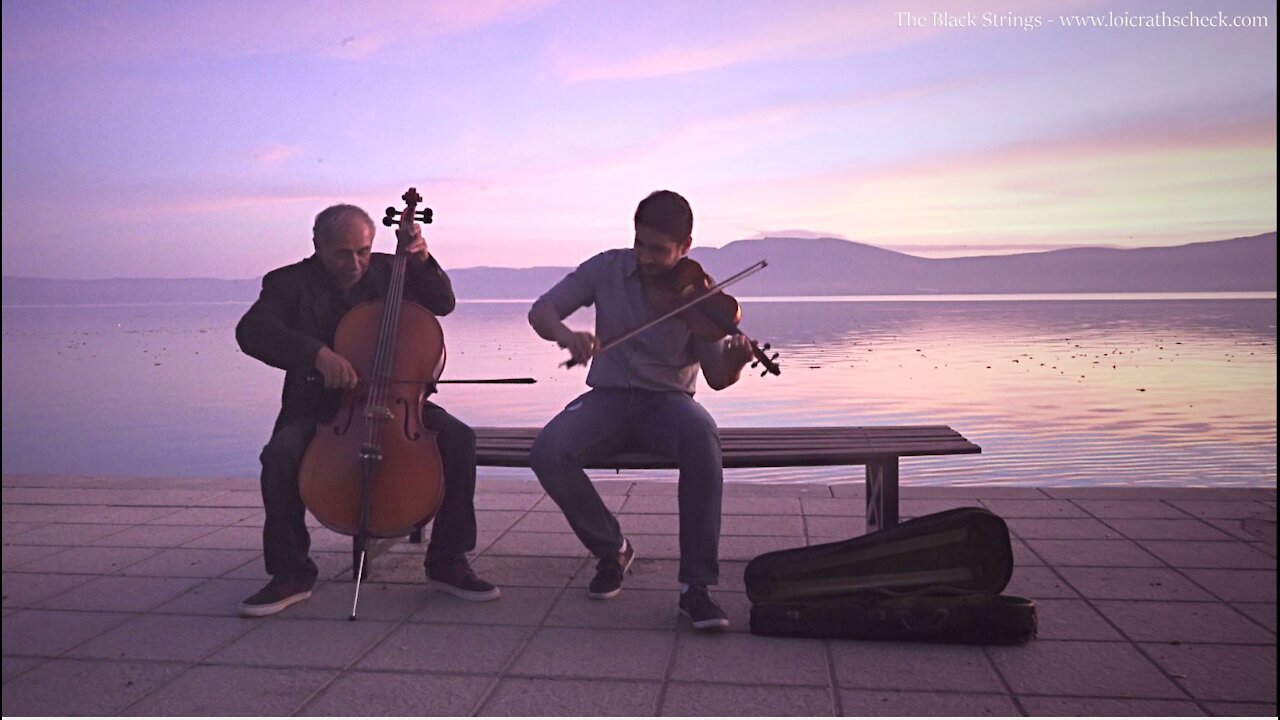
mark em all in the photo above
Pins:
pixel 377 412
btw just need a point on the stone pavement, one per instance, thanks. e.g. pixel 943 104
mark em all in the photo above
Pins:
pixel 120 598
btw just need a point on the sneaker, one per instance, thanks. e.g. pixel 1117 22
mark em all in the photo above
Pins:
pixel 276 596
pixel 609 571
pixel 697 605
pixel 458 579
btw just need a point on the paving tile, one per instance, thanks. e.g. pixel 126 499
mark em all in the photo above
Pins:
pixel 919 704
pixel 218 596
pixel 542 697
pixel 506 501
pixel 91 560
pixel 1089 669
pixel 649 524
pixel 1232 509
pixel 1230 709
pixel 538 544
pixel 789 526
pixel 163 637
pixel 578 653
pixel 80 687
pixel 53 632
pixel 232 498
pixel 713 700
pixel 664 546
pixel 1034 508
pixel 427 647
pixel 841 506
pixel 1217 555
pixel 286 642
pixel 835 526
pixel 1132 584
pixel 746 547
pixel 211 516
pixel 203 691
pixel 787 506
pixel 15 666
pixel 1237 585
pixel 503 571
pixel 383 694
pixel 228 538
pixel 1107 707
pixel 14 530
pixel 387 602
pixel 122 594
pixel 1072 620
pixel 1166 529
pixel 1262 613
pixel 189 563
pixel 907 666
pixel 153 536
pixel 1061 529
pixel 633 609
pixel 1038 583
pixel 29 589
pixel 735 658
pixel 1182 622
pixel 517 606
pixel 64 534
pixel 614 502
pixel 1023 554
pixel 542 522
pixel 1093 553
pixel 1242 673
pixel 1130 509
pixel 651 504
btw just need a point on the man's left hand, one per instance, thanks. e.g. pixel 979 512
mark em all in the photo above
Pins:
pixel 738 349
pixel 414 244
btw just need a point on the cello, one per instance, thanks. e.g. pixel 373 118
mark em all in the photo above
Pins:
pixel 374 470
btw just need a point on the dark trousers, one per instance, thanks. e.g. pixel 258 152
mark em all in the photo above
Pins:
pixel 285 540
pixel 605 421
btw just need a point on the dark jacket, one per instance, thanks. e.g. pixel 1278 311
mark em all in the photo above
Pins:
pixel 298 312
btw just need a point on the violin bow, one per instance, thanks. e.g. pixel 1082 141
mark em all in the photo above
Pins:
pixel 717 288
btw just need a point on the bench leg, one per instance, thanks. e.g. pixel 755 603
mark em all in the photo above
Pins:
pixel 882 494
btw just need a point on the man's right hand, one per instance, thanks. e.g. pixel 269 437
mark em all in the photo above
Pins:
pixel 581 345
pixel 337 372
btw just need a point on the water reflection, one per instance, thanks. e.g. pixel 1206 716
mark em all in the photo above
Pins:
pixel 1056 392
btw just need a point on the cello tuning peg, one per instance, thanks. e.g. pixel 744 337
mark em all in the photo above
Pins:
pixel 755 363
pixel 775 357
pixel 390 218
pixel 763 373
pixel 424 215
pixel 767 346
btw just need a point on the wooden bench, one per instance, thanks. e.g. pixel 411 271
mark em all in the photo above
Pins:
pixel 878 448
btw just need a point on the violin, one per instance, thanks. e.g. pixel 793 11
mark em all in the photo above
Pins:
pixel 687 292
pixel 374 471
pixel 711 315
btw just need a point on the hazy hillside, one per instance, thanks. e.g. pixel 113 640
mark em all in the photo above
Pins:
pixel 799 267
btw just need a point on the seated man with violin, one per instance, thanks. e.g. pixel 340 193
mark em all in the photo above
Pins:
pixel 641 396
pixel 292 327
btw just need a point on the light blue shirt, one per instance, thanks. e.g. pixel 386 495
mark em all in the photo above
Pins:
pixel 663 358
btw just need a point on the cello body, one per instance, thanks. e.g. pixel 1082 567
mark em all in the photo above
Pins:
pixel 407 486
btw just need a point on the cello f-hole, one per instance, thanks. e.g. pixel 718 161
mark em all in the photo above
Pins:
pixel 408 418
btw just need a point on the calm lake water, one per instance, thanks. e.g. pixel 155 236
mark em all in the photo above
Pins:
pixel 1057 391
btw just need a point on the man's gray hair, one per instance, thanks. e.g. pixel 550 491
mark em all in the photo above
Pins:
pixel 331 215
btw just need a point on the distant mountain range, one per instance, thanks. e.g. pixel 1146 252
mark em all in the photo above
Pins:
pixel 797 267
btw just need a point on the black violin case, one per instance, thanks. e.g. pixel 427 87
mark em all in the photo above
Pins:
pixel 936 578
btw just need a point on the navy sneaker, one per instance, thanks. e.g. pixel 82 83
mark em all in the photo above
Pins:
pixel 609 571
pixel 458 579
pixel 703 612
pixel 276 596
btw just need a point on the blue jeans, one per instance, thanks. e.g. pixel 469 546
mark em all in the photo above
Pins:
pixel 605 421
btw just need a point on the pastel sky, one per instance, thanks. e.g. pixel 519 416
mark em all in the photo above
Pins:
pixel 174 138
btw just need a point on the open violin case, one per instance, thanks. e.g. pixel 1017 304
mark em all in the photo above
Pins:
pixel 936 578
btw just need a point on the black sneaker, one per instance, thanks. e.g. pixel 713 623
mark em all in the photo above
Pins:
pixel 609 571
pixel 458 579
pixel 276 596
pixel 697 605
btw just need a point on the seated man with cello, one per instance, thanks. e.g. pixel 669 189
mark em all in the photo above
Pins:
pixel 641 395
pixel 292 327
